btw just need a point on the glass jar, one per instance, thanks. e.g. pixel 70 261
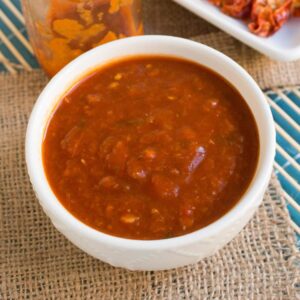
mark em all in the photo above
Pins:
pixel 60 30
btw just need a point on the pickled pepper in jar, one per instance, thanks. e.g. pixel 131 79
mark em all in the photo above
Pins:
pixel 64 29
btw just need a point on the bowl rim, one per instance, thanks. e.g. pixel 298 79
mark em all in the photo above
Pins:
pixel 52 206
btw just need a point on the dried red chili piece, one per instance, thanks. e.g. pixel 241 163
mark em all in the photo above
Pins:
pixel 269 15
pixel 234 8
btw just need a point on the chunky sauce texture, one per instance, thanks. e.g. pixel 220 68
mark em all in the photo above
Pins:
pixel 150 148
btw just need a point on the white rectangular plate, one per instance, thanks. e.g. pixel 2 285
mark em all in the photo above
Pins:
pixel 284 45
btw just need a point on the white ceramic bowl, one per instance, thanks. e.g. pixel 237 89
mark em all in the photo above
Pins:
pixel 156 254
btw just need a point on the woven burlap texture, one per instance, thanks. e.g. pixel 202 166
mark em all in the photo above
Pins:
pixel 37 262
pixel 167 17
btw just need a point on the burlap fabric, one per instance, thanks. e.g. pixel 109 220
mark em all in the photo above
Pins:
pixel 37 262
